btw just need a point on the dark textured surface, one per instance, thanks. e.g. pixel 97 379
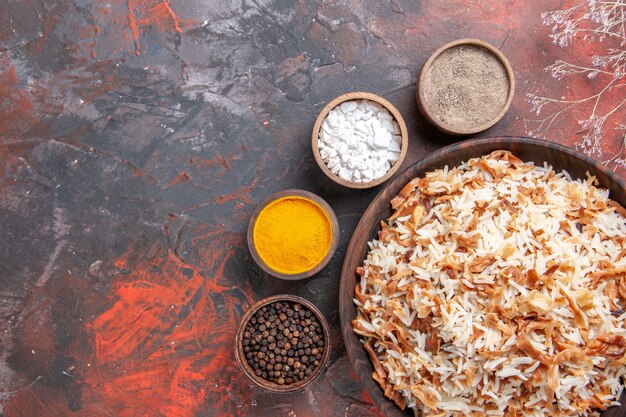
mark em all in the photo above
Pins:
pixel 136 138
pixel 561 158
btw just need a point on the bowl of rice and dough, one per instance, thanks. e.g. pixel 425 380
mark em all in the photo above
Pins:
pixel 495 286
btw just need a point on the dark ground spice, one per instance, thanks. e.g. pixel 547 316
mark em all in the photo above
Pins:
pixel 466 87
pixel 283 342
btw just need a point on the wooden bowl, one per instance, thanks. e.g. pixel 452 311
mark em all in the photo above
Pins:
pixel 359 96
pixel 334 230
pixel 429 113
pixel 560 157
pixel 241 357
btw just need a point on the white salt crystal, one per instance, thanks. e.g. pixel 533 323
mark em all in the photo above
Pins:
pixel 380 164
pixel 375 107
pixel 348 106
pixel 376 125
pixel 394 156
pixel 384 116
pixel 394 146
pixel 382 139
pixel 346 174
pixel 361 127
pixel 333 119
pixel 359 141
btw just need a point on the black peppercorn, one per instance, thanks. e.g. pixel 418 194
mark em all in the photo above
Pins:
pixel 283 343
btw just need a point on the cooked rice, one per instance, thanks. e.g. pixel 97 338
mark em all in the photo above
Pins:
pixel 497 288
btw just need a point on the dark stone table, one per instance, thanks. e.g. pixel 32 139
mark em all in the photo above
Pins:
pixel 136 138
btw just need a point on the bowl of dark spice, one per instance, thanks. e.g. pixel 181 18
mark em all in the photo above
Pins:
pixel 465 87
pixel 282 343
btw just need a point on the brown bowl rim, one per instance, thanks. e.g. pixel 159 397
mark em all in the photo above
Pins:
pixel 359 95
pixel 247 370
pixel 429 115
pixel 334 223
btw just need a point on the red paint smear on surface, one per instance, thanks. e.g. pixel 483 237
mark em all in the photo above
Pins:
pixel 153 13
pixel 163 343
pixel 15 103
pixel 219 165
pixel 217 160
pixel 162 346
pixel 242 193
pixel 180 178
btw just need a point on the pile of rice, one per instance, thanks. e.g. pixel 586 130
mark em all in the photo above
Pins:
pixel 497 288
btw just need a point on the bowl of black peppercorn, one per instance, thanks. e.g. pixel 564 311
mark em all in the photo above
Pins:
pixel 282 343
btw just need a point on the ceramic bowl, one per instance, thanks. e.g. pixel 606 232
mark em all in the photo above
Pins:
pixel 431 113
pixel 334 230
pixel 247 369
pixel 527 149
pixel 359 96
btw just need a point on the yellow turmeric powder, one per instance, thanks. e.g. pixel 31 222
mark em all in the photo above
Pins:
pixel 292 235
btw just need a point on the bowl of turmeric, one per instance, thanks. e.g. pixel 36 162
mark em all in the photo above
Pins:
pixel 293 234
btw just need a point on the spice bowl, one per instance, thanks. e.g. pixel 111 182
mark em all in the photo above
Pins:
pixel 307 356
pixel 465 87
pixel 356 134
pixel 293 234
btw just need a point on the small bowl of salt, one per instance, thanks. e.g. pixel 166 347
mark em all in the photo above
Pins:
pixel 359 140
